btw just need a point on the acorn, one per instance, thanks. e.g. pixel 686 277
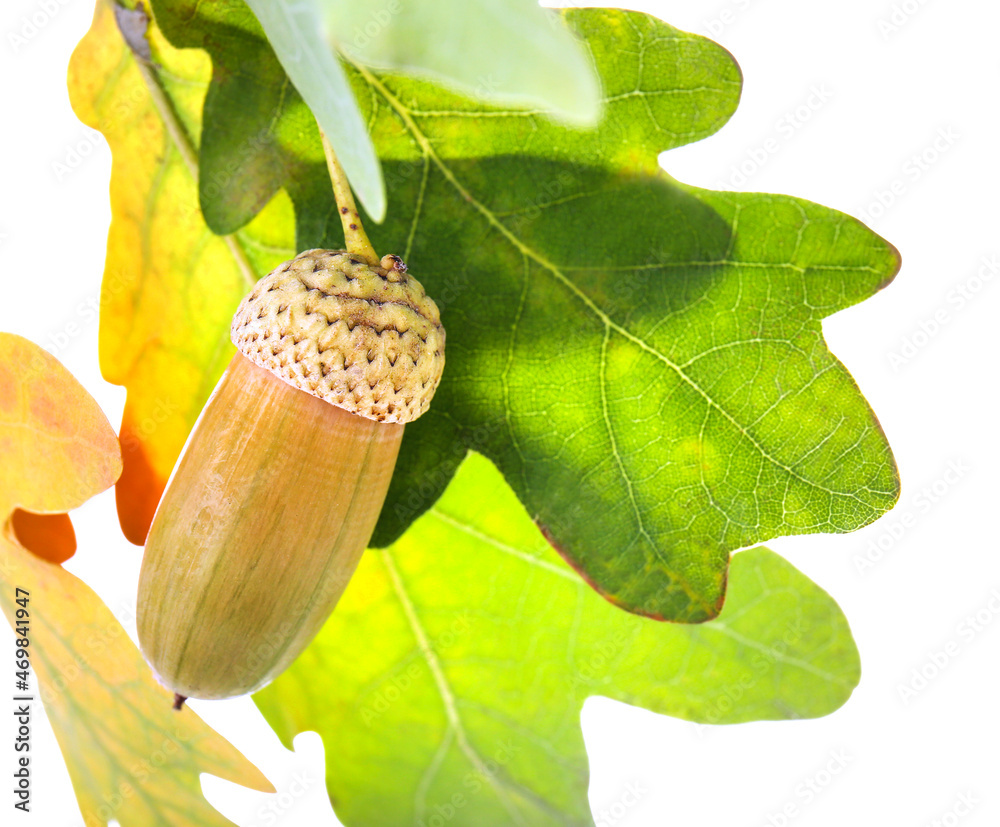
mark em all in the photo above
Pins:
pixel 278 489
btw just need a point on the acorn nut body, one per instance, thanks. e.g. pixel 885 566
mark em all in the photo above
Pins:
pixel 280 484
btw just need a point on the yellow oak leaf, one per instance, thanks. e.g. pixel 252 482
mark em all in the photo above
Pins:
pixel 170 285
pixel 130 756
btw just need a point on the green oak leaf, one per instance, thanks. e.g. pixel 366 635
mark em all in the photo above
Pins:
pixel 469 44
pixel 262 47
pixel 448 683
pixel 294 30
pixel 254 124
pixel 643 360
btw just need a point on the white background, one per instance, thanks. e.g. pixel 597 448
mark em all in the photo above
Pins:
pixel 853 98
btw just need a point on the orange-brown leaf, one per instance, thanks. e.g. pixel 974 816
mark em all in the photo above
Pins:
pixel 57 447
pixel 130 756
pixel 50 536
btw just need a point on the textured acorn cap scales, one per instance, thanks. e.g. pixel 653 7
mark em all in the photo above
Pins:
pixel 365 338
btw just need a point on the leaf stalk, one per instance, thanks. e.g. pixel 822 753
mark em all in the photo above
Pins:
pixel 355 238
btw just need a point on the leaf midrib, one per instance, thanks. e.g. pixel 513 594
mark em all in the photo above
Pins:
pixel 500 783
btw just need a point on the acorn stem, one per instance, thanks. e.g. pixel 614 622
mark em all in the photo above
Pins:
pixel 354 233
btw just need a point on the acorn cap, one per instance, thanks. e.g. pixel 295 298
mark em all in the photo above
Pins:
pixel 364 338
